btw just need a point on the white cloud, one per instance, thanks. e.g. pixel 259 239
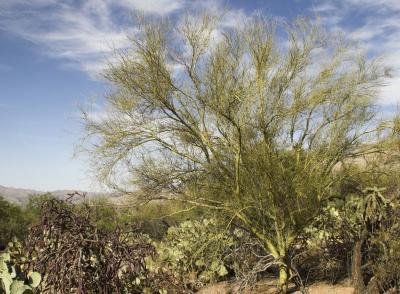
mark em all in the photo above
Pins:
pixel 377 31
pixel 323 7
pixel 233 18
pixel 84 34
pixel 161 7
pixel 391 93
pixel 380 5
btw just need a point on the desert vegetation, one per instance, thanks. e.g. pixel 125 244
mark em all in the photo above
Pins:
pixel 248 153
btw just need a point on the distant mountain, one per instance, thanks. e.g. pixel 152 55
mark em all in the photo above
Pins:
pixel 21 196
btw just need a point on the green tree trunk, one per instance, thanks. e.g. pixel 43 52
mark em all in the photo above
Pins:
pixel 283 267
pixel 283 278
pixel 280 254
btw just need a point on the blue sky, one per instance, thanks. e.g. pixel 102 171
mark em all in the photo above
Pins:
pixel 52 51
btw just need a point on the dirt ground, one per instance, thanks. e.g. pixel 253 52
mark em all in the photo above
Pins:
pixel 268 287
pixel 324 288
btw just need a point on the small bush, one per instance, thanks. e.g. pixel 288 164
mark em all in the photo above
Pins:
pixel 155 218
pixel 13 222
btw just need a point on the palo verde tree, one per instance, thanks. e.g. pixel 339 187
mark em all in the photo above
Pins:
pixel 249 120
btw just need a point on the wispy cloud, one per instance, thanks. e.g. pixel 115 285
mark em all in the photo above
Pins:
pixel 376 30
pixel 161 7
pixel 83 34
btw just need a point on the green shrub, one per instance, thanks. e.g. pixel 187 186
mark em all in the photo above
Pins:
pixel 16 219
pixel 13 222
pixel 155 218
pixel 103 213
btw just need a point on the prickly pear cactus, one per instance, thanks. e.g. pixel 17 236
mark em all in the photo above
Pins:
pixel 13 279
pixel 195 251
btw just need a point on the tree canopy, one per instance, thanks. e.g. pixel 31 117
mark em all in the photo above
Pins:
pixel 250 120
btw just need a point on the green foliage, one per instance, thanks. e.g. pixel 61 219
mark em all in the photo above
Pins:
pixel 103 213
pixel 196 252
pixel 155 218
pixel 13 222
pixel 15 277
pixel 32 208
pixel 16 219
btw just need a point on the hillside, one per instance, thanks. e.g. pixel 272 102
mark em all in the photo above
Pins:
pixel 21 196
